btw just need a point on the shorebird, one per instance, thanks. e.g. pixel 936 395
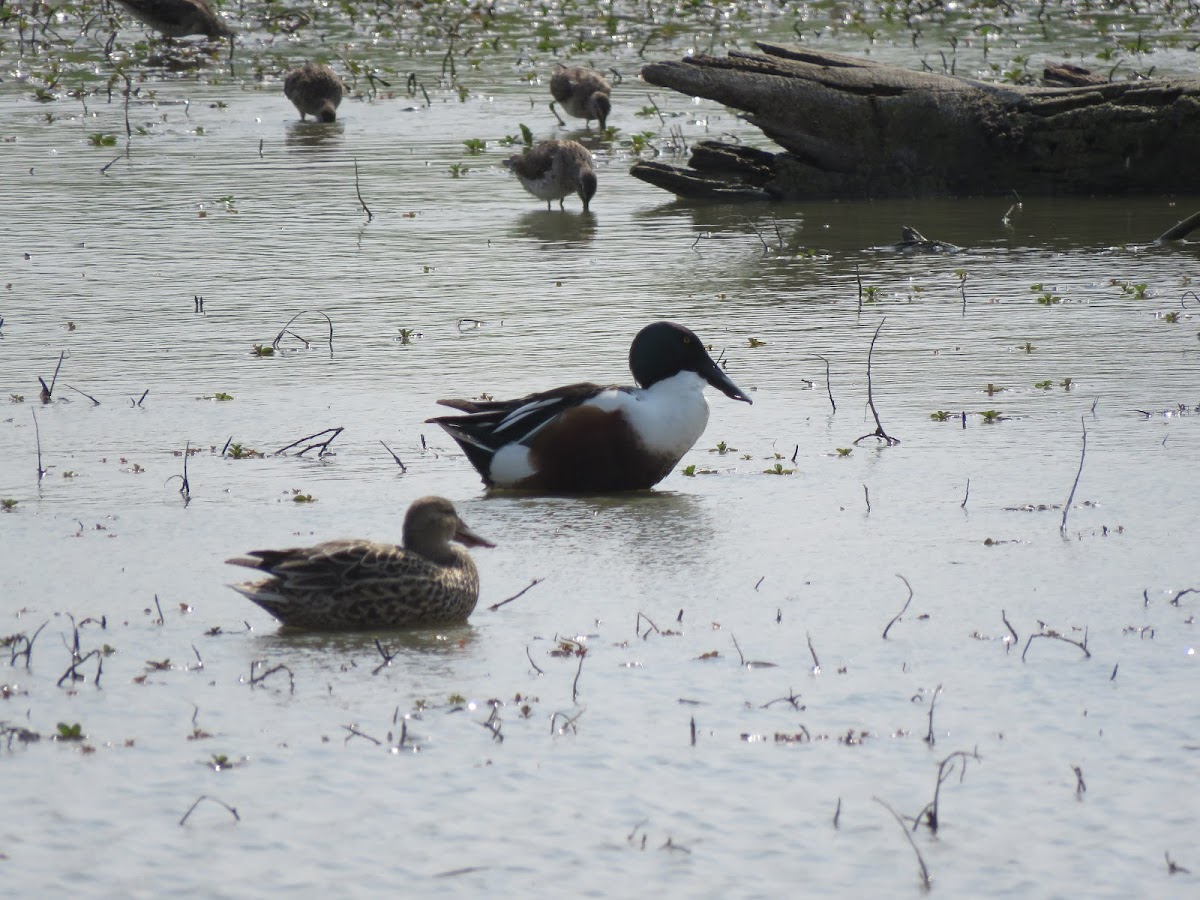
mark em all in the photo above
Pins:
pixel 555 169
pixel 590 437
pixel 356 584
pixel 582 92
pixel 314 89
pixel 179 18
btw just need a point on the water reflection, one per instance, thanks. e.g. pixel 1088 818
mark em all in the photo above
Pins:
pixel 326 650
pixel 313 134
pixel 592 139
pixel 556 226
pixel 647 530
pixel 994 222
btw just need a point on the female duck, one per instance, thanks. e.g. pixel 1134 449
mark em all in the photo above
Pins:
pixel 314 90
pixel 582 92
pixel 553 170
pixel 358 584
pixel 179 18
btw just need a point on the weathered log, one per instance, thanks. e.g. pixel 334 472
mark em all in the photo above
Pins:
pixel 856 128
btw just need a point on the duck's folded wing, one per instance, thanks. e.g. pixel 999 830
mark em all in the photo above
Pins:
pixel 330 567
pixel 495 423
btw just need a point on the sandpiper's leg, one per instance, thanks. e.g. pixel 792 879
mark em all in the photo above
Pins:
pixel 556 115
pixel 560 203
pixel 547 206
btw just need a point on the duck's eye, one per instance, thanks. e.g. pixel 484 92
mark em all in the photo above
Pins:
pixel 687 340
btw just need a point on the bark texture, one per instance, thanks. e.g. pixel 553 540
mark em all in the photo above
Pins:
pixel 855 128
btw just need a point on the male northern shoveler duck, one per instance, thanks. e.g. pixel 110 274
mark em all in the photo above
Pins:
pixel 358 584
pixel 591 437
pixel 555 169
pixel 314 89
pixel 582 92
pixel 179 18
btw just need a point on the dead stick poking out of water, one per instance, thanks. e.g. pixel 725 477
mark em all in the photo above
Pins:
pixel 926 881
pixel 896 618
pixel 1082 645
pixel 232 810
pixel 878 432
pixel 945 770
pixel 321 446
pixel 532 584
pixel 399 462
pixel 929 738
pixel 259 679
pixel 284 330
pixel 48 389
pixel 85 393
pixel 185 488
pixel 828 385
pixel 578 672
pixel 37 433
pixel 1062 528
pixel 27 651
pixel 361 201
pixel 1180 230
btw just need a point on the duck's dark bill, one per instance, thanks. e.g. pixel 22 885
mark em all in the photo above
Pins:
pixel 713 374
pixel 465 535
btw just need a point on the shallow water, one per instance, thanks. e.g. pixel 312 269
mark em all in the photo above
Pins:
pixel 596 787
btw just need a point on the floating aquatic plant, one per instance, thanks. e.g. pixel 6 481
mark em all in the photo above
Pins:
pixel 67 732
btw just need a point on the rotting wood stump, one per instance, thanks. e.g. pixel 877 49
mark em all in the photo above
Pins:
pixel 852 128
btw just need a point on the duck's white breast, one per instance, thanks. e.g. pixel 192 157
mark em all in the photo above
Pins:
pixel 669 416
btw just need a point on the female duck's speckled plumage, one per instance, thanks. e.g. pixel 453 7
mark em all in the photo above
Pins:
pixel 582 92
pixel 314 89
pixel 553 170
pixel 358 584
pixel 179 18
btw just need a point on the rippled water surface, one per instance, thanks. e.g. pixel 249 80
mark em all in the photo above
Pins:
pixel 737 713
